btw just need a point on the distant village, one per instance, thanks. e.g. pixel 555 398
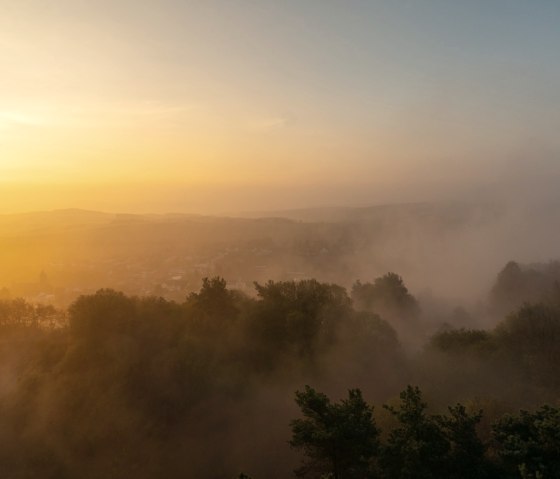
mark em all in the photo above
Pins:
pixel 171 277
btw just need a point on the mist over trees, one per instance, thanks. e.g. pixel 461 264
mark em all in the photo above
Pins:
pixel 518 284
pixel 120 385
pixel 265 239
pixel 447 251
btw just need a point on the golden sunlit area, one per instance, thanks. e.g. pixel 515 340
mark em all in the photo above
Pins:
pixel 303 239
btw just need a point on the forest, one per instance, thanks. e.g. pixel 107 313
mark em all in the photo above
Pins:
pixel 262 239
pixel 302 378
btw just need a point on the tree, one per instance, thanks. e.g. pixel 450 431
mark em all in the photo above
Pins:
pixel 339 440
pixel 214 302
pixel 530 336
pixel 467 453
pixel 213 307
pixel 417 448
pixel 104 313
pixel 301 316
pixel 387 296
pixel 462 341
pixel 517 284
pixel 366 346
pixel 19 315
pixel 529 443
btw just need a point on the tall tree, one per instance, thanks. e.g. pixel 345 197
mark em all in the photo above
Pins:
pixel 387 295
pixel 339 440
pixel 467 454
pixel 417 448
pixel 529 443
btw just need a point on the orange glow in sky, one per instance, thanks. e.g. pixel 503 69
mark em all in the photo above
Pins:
pixel 209 105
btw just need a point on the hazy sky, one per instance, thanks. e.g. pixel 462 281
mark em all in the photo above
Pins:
pixel 209 105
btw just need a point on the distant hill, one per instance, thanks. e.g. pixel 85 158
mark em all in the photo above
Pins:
pixel 450 211
pixel 452 248
pixel 41 221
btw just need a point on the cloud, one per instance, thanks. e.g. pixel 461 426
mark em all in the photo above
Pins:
pixel 86 115
pixel 13 118
pixel 262 125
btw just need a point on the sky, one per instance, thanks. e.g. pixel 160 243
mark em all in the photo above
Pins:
pixel 218 106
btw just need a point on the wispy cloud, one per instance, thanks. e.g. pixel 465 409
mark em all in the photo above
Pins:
pixel 270 123
pixel 14 119
pixel 94 115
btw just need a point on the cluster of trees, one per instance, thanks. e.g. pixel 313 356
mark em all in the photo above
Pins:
pixel 521 352
pixel 517 284
pixel 389 297
pixel 342 441
pixel 18 315
pixel 167 384
pixel 121 386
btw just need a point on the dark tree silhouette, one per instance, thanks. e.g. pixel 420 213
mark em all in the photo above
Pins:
pixel 339 440
pixel 417 448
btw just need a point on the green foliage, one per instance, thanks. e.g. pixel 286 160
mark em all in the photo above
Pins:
pixel 522 348
pixel 462 340
pixel 530 337
pixel 467 452
pixel 214 302
pixel 18 315
pixel 387 296
pixel 131 386
pixel 529 443
pixel 342 440
pixel 369 333
pixel 339 440
pixel 417 448
pixel 516 285
pixel 299 316
pixel 100 315
pixel 366 347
